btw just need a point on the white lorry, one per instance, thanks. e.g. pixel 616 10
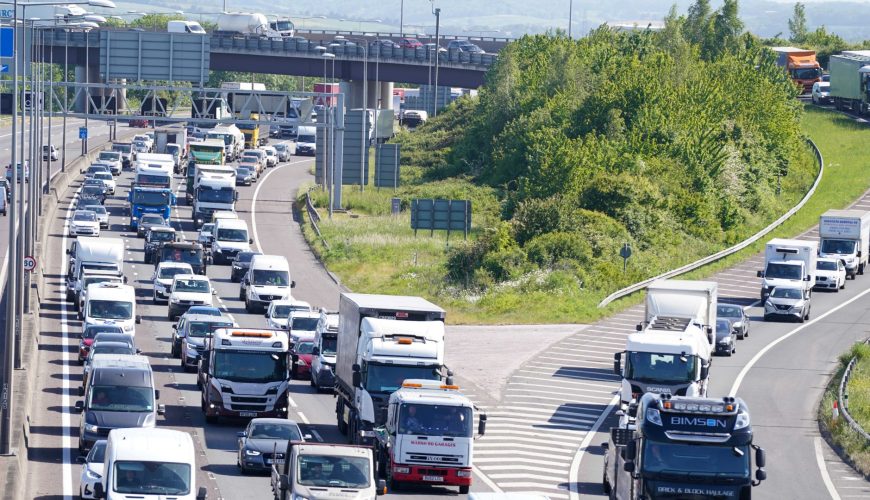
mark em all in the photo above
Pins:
pixel 94 255
pixel 248 23
pixel 232 137
pixel 149 464
pixel 845 235
pixel 429 436
pixel 244 373
pixel 788 262
pixel 382 341
pixel 212 192
pixel 673 347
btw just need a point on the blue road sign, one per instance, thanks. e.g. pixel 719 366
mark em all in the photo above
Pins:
pixel 7 42
pixel 4 68
pixel 83 132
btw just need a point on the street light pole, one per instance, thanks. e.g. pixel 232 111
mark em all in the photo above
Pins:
pixel 402 18
pixel 570 16
pixel 437 59
pixel 23 178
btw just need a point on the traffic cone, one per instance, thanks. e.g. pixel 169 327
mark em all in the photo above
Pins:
pixel 835 414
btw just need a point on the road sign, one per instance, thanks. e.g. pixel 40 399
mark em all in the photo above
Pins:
pixel 29 263
pixel 83 132
pixel 4 68
pixel 7 42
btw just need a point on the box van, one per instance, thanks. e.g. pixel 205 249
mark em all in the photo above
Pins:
pixel 267 279
pixel 91 254
pixel 112 304
pixel 306 141
pixel 184 27
pixel 230 238
pixel 118 396
pixel 149 464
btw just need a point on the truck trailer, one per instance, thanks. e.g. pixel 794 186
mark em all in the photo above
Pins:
pixel 382 341
pixel 850 81
pixel 845 235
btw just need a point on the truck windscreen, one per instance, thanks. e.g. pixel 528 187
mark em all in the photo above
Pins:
pixel 662 368
pixel 151 198
pixel 329 345
pixel 250 367
pixel 193 257
pixel 806 73
pixel 153 180
pixel 435 420
pixel 697 461
pixel 206 195
pixel 388 378
pixel 842 247
pixel 110 309
pixel 784 271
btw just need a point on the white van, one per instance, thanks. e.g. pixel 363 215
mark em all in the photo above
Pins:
pixel 306 141
pixel 185 27
pixel 230 237
pixel 111 304
pixel 149 464
pixel 267 279
pixel 89 254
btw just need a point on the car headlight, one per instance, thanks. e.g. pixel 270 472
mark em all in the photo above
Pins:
pixel 92 475
pixel 725 340
pixel 91 428
pixel 190 351
pixel 301 362
pixel 738 325
pixel 298 497
pixel 252 453
pixel 768 304
pixel 128 328
pixel 173 299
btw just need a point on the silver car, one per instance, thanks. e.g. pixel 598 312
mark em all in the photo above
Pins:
pixel 787 303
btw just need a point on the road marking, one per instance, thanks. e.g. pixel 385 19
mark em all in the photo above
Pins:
pixel 820 460
pixel 574 475
pixel 317 436
pixel 254 200
pixel 303 418
pixel 66 419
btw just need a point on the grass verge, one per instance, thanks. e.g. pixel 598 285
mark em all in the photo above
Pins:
pixel 373 251
pixel 842 437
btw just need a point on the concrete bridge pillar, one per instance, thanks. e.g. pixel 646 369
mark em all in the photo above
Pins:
pixel 93 77
pixel 353 91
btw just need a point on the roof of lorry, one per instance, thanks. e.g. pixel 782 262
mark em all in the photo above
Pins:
pixel 683 285
pixel 392 302
pixel 151 444
pixel 858 214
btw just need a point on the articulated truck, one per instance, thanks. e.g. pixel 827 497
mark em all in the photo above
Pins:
pixel 672 349
pixel 800 64
pixel 850 81
pixel 382 341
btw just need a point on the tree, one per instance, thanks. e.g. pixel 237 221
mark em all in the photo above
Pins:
pixel 697 26
pixel 155 22
pixel 797 25
pixel 727 28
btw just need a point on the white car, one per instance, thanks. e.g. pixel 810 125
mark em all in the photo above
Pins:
pixel 271 155
pixel 821 93
pixel 102 215
pixel 206 234
pixel 84 223
pixel 113 159
pixel 830 274
pixel 278 312
pixel 164 275
pixel 92 469
pixel 303 323
pixel 108 181
pixel 189 290
pixel 146 139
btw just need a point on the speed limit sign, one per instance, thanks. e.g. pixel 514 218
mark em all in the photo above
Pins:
pixel 29 263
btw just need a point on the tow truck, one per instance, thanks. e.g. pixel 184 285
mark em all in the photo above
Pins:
pixel 682 447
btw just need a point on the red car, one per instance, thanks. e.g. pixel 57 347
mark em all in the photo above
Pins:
pixel 301 353
pixel 88 335
pixel 410 43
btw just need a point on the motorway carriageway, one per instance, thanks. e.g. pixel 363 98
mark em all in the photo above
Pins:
pixel 55 426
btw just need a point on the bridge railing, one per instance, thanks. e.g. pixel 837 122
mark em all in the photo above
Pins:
pixel 407 34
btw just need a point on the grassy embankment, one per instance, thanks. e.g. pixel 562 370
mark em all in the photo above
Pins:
pixel 372 251
pixel 850 442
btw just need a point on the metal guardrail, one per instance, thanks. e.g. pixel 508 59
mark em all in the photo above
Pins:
pixel 407 34
pixel 314 217
pixel 843 400
pixel 730 250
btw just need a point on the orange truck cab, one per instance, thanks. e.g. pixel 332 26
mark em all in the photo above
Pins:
pixel 801 65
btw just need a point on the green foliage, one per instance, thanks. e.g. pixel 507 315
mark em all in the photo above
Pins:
pixel 797 25
pixel 155 21
pixel 283 83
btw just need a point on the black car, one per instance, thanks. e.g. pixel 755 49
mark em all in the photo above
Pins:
pixel 245 175
pixel 261 438
pixel 147 221
pixel 93 192
pixel 240 265
pixel 155 238
pixel 724 338
pixel 737 316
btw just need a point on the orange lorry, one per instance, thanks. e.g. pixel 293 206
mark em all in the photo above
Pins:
pixel 801 65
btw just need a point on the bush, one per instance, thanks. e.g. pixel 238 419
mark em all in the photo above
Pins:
pixel 548 250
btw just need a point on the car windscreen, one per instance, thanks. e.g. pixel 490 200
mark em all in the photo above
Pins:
pixel 152 219
pixel 110 309
pixel 237 235
pixel 728 311
pixel 170 272
pixel 201 329
pixel 85 216
pixel 191 285
pixel 92 331
pixel 786 293
pixel 305 138
pixel 826 265
pixel 161 236
pixel 330 471
pixel 157 479
pixel 268 277
pixel 304 324
pixel 285 432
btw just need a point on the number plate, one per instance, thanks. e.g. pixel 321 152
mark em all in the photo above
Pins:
pixel 248 414
pixel 434 479
pixel 280 461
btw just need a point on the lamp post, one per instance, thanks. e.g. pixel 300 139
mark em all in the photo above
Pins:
pixel 330 142
pixel 437 13
pixel 402 18
pixel 570 16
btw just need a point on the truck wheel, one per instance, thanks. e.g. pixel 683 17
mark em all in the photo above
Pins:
pixel 463 490
pixel 861 269
pixel 294 370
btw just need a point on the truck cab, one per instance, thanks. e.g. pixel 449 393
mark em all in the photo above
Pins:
pixel 186 252
pixel 681 447
pixel 429 436
pixel 788 263
pixel 321 471
pixel 845 235
pixel 213 191
pixel 149 200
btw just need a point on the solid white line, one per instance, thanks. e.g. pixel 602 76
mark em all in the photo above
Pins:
pixel 66 420
pixel 574 478
pixel 820 460
pixel 254 200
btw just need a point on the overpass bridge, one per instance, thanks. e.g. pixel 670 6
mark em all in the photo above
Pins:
pixel 115 54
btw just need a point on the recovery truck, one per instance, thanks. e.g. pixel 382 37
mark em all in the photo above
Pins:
pixel 682 447
pixel 213 191
pixel 845 235
pixel 790 263
pixel 850 81
pixel 243 372
pixel 382 341
pixel 800 64
pixel 208 152
pixel 672 349
pixel 149 200
pixel 429 436
pixel 319 470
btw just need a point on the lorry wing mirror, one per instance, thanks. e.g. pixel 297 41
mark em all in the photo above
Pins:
pixel 355 368
pixel 250 241
pixel 81 391
pixel 202 494
pixel 80 406
pixel 628 466
pixel 157 394
pixel 605 446
pixel 705 370
pixel 175 326
pixel 241 434
pixel 760 274
pixel 283 482
pixel 631 451
pixel 138 319
pixel 81 459
pixel 315 351
pixel 68 252
pixel 235 196
pixel 638 326
pixel 98 491
pixel 382 487
pixel 481 425
pixel 760 475
pixel 760 457
pixel 292 284
pixel 266 315
pixel 357 379
pixel 125 279
pixel 617 363
pixel 807 277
